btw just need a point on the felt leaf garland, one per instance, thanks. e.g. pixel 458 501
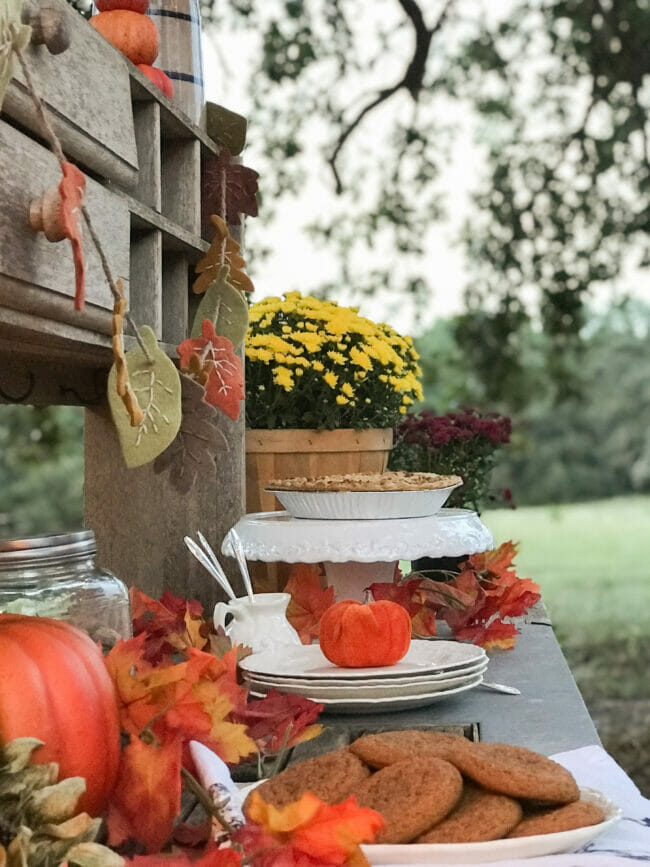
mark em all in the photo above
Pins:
pixel 122 384
pixel 239 195
pixel 224 250
pixel 14 35
pixel 225 307
pixel 211 361
pixel 194 450
pixel 157 386
pixel 72 189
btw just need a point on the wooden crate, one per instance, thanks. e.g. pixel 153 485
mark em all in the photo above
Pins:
pixel 142 160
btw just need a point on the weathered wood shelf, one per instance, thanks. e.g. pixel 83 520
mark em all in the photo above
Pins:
pixel 142 159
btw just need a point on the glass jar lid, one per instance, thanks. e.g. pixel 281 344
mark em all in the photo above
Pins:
pixel 55 546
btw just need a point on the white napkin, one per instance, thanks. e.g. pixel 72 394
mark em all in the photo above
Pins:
pixel 625 843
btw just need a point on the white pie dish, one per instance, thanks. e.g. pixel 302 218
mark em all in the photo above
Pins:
pixel 364 505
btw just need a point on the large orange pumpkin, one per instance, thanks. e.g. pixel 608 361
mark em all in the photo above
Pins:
pixel 133 34
pixel 353 635
pixel 54 686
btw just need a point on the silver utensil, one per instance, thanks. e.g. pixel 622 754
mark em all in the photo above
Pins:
pixel 238 550
pixel 500 687
pixel 217 573
pixel 208 549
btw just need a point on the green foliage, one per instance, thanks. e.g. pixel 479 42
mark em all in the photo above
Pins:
pixel 41 469
pixel 585 443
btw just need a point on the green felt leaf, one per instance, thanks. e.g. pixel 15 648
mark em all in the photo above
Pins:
pixel 13 34
pixel 225 307
pixel 157 385
pixel 226 127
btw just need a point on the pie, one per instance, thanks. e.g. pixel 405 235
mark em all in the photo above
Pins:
pixel 391 481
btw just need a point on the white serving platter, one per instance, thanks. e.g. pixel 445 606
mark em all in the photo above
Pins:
pixel 308 661
pixel 497 850
pixel 364 505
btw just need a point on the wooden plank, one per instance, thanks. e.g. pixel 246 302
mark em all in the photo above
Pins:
pixel 87 90
pixel 139 520
pixel 175 238
pixel 146 117
pixel 42 382
pixel 175 289
pixel 181 184
pixel 26 170
pixel 31 333
pixel 146 280
pixel 174 123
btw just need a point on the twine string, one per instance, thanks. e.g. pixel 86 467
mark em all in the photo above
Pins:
pixel 57 149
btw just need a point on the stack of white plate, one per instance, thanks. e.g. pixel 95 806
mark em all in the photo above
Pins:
pixel 431 671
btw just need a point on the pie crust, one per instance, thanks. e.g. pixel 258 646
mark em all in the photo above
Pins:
pixel 390 481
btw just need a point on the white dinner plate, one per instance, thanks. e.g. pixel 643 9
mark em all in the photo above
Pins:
pixel 437 677
pixel 307 661
pixel 381 689
pixel 497 850
pixel 381 705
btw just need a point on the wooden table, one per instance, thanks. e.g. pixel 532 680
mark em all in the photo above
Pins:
pixel 549 716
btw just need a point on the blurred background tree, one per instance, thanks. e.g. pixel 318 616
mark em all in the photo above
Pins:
pixel 555 95
pixel 41 469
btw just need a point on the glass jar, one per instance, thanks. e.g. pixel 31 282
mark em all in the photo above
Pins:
pixel 56 576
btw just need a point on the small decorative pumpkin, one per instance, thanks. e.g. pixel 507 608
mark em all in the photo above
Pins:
pixel 353 635
pixel 54 686
pixel 159 78
pixel 133 34
pixel 139 6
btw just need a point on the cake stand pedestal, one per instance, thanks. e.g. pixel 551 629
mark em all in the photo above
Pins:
pixel 356 553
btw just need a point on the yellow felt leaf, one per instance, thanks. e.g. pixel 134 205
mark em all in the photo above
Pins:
pixel 157 386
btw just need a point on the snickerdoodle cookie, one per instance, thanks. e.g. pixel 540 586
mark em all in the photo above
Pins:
pixel 411 796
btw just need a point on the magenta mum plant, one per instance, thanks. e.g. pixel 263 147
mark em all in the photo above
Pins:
pixel 464 443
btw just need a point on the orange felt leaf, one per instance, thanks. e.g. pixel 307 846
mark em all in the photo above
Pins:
pixel 211 361
pixel 328 833
pixel 147 795
pixel 223 250
pixel 309 601
pixel 71 190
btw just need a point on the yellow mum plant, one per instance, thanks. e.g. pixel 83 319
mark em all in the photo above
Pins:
pixel 313 364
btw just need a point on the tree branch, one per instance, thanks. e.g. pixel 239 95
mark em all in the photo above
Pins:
pixel 412 80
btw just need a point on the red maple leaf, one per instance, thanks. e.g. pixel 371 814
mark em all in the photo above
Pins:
pixel 71 190
pixel 279 719
pixel 309 601
pixel 211 361
pixel 170 624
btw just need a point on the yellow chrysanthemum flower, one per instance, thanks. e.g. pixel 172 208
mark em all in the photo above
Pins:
pixel 331 379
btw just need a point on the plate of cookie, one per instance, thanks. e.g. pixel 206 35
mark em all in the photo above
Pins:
pixel 530 846
pixel 447 800
pixel 365 496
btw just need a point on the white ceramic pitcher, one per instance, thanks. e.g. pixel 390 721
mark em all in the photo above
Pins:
pixel 260 623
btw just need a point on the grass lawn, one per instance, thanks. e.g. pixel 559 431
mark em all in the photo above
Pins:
pixel 592 561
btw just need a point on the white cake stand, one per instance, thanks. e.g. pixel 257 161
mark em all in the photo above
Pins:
pixel 358 553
